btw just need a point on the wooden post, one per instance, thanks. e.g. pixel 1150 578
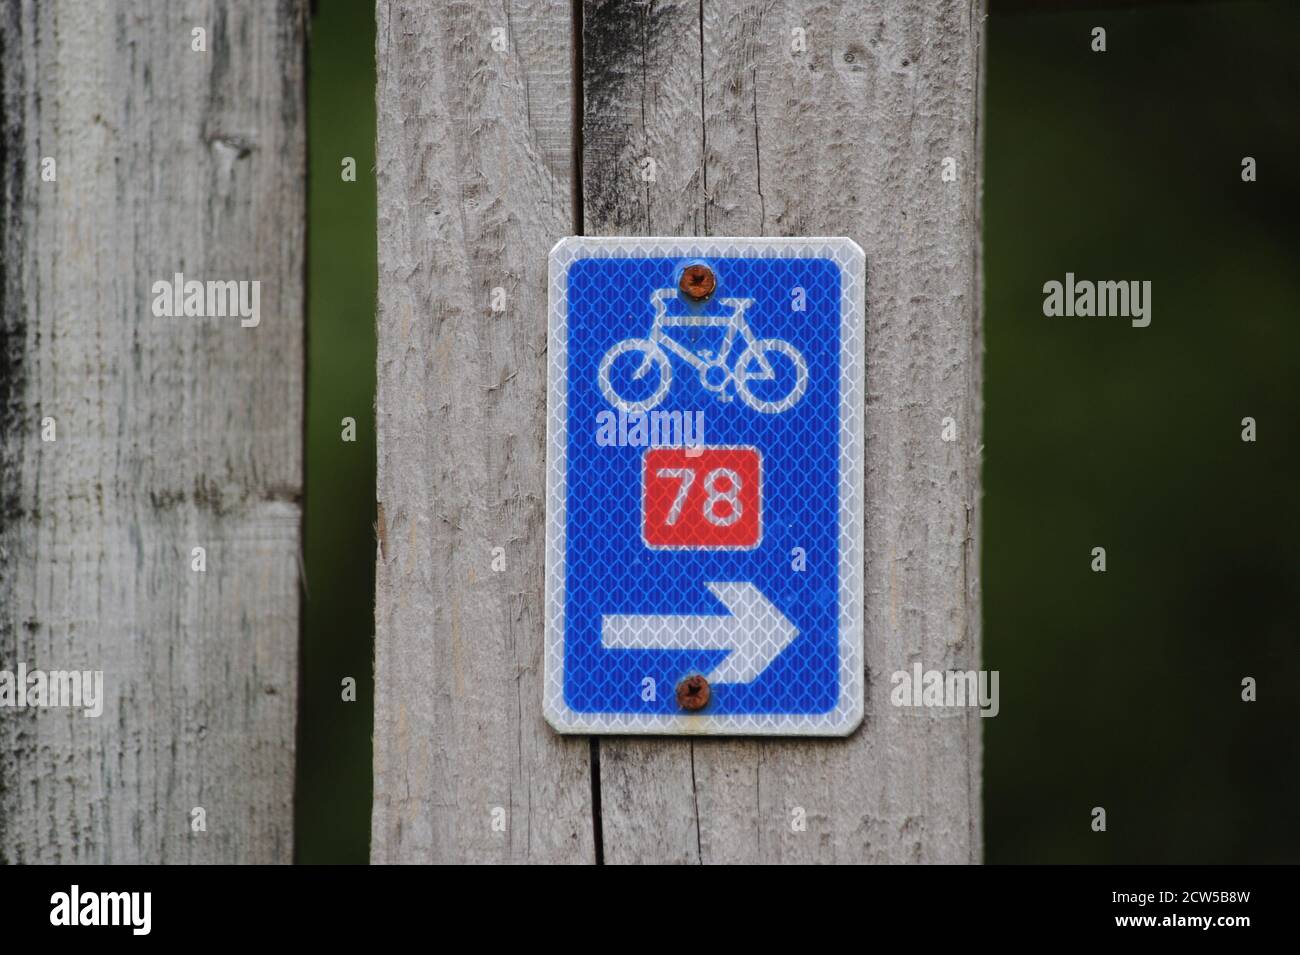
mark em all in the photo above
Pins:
pixel 475 185
pixel 845 138
pixel 135 149
pixel 787 117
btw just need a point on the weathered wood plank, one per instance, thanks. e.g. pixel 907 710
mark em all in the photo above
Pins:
pixel 172 433
pixel 641 100
pixel 844 138
pixel 475 185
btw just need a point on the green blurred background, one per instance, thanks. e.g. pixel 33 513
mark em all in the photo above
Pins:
pixel 1123 689
pixel 1119 689
pixel 333 787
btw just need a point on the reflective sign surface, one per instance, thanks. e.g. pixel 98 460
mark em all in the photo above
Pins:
pixel 704 482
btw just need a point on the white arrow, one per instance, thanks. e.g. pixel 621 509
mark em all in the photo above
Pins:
pixel 754 631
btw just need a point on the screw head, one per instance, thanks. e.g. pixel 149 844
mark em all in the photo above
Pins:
pixel 698 282
pixel 693 693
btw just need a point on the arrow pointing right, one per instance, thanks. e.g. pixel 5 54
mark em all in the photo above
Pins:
pixel 754 630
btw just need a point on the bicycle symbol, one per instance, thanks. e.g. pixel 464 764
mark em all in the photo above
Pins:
pixel 753 364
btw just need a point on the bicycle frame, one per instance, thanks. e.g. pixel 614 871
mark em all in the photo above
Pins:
pixel 734 323
pixel 658 345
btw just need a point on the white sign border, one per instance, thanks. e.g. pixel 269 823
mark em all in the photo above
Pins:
pixel 849 709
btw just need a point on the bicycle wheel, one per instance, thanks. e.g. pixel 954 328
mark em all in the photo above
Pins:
pixel 654 357
pixel 765 348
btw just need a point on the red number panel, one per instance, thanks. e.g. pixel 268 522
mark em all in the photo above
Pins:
pixel 705 498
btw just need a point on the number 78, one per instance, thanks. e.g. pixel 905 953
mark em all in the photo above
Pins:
pixel 702 498
pixel 730 495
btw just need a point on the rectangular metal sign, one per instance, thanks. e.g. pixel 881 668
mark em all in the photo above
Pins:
pixel 704 528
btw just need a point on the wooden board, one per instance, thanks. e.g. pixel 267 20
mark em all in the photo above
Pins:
pixel 845 137
pixel 475 186
pixel 172 433
pixel 749 136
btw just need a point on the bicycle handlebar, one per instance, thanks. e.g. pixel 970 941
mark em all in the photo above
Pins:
pixel 659 296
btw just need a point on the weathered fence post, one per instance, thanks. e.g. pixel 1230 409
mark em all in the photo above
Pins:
pixel 788 117
pixel 475 185
pixel 139 144
pixel 806 118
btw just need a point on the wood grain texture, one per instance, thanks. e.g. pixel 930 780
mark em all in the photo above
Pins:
pixel 751 137
pixel 475 185
pixel 642 99
pixel 172 433
pixel 748 137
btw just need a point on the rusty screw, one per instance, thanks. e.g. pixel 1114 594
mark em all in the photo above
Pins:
pixel 693 693
pixel 698 282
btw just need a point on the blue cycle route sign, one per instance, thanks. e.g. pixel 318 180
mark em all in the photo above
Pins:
pixel 705 442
